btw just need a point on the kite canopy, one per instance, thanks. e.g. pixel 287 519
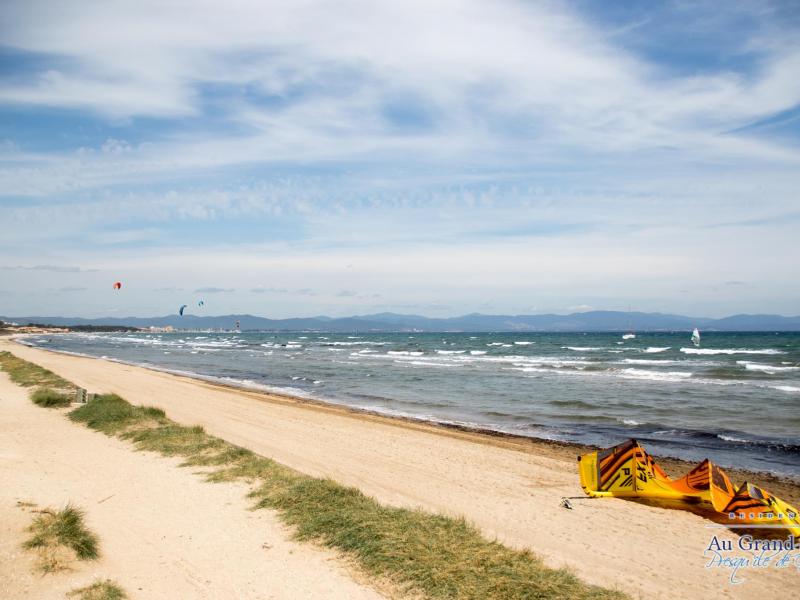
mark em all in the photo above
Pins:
pixel 627 471
pixel 201 303
pixel 182 308
pixel 117 285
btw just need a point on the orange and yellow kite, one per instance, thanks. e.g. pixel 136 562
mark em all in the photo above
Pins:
pixel 627 471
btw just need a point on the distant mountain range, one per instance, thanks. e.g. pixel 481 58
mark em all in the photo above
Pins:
pixel 386 322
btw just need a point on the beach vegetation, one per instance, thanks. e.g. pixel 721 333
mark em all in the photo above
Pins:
pixel 100 590
pixel 27 374
pixel 53 531
pixel 419 552
pixel 111 414
pixel 50 398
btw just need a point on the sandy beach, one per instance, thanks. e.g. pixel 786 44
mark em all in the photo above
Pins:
pixel 164 533
pixel 510 490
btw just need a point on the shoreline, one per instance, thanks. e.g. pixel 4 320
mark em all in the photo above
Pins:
pixel 783 485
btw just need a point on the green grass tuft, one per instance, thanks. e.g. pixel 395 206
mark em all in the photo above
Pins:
pixel 175 440
pixel 111 414
pixel 63 527
pixel 50 398
pixel 27 374
pixel 441 556
pixel 100 590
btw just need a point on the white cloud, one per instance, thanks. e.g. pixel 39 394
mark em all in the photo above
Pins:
pixel 468 149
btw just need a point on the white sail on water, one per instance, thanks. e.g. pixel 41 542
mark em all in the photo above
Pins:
pixel 696 337
pixel 630 335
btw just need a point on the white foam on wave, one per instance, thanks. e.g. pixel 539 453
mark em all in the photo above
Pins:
pixel 583 348
pixel 450 351
pixel 477 352
pixel 655 375
pixel 426 363
pixel 524 343
pixel 786 388
pixel 762 368
pixel 656 349
pixel 730 351
pixel 730 438
pixel 404 353
pixel 361 343
pixel 630 422
pixel 648 361
pixel 554 363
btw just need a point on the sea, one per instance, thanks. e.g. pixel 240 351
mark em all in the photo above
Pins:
pixel 735 399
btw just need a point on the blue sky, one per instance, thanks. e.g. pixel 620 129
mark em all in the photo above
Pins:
pixel 436 158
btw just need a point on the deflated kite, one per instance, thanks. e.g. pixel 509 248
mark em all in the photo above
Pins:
pixel 627 471
pixel 181 309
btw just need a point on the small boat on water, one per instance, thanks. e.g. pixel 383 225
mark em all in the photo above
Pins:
pixel 696 338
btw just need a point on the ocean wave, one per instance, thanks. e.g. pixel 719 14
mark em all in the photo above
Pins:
pixel 769 369
pixel 404 353
pixel 450 351
pixel 730 351
pixel 427 363
pixel 656 349
pixel 556 363
pixel 361 343
pixel 584 348
pixel 730 438
pixel 477 352
pixel 524 343
pixel 786 388
pixel 655 375
pixel 648 361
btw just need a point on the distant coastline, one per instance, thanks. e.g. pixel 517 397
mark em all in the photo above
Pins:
pixel 588 322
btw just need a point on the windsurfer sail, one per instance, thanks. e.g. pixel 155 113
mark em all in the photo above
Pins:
pixel 630 335
pixel 696 337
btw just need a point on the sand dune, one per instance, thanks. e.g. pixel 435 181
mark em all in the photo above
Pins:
pixel 510 493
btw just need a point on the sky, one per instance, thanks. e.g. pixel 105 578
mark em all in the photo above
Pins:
pixel 436 158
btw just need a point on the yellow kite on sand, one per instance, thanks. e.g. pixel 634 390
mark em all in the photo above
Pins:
pixel 627 471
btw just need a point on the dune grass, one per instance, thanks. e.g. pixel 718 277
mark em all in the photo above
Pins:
pixel 100 590
pixel 111 414
pixel 50 398
pixel 65 527
pixel 419 552
pixel 438 556
pixel 27 374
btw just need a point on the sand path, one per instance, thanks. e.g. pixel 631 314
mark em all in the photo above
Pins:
pixel 164 533
pixel 510 494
